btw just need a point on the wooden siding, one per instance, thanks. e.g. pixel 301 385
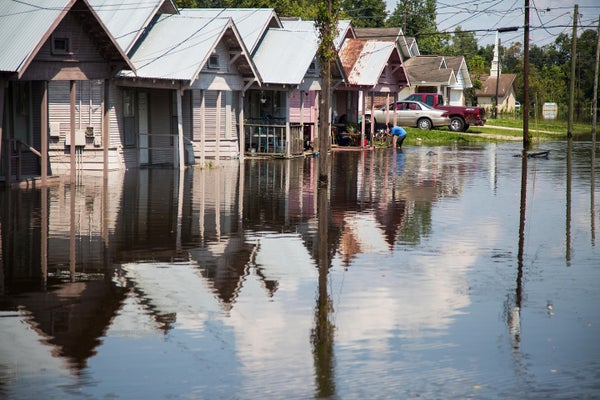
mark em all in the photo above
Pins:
pixel 221 51
pixel 88 122
pixel 118 155
pixel 81 63
pixel 228 138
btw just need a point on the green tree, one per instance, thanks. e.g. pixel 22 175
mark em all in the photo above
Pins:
pixel 477 65
pixel 418 18
pixel 463 43
pixel 365 13
pixel 511 57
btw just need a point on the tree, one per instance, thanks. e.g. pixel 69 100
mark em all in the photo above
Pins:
pixel 463 43
pixel 418 18
pixel 365 13
pixel 512 55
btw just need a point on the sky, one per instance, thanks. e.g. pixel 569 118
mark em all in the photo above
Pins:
pixel 548 18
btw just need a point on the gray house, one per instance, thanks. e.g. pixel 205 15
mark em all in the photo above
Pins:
pixel 57 60
pixel 185 99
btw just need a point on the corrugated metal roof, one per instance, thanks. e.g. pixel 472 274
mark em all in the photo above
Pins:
pixel 250 22
pixel 300 25
pixel 284 56
pixel 126 20
pixel 177 47
pixel 364 60
pixel 22 27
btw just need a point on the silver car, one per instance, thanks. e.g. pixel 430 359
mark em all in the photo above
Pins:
pixel 410 113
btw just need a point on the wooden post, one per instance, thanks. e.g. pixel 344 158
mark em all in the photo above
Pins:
pixel 72 128
pixel 218 129
pixel 242 132
pixel 202 127
pixel 181 156
pixel 106 125
pixel 288 133
pixel 3 85
pixel 44 134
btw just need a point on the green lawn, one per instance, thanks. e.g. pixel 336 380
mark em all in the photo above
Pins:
pixel 500 129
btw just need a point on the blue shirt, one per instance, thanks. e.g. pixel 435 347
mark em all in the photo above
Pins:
pixel 398 131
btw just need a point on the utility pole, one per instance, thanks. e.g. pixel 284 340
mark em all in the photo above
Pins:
pixel 526 80
pixel 595 97
pixel 573 62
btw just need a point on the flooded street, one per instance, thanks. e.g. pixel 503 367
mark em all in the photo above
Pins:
pixel 416 275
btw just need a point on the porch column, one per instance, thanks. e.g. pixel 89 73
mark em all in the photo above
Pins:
pixel 218 128
pixel 3 85
pixel 106 125
pixel 202 127
pixel 396 100
pixel 288 136
pixel 242 134
pixel 361 107
pixel 72 128
pixel 372 115
pixel 44 133
pixel 180 156
pixel 387 110
pixel 318 123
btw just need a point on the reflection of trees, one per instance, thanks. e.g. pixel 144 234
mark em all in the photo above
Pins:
pixel 416 225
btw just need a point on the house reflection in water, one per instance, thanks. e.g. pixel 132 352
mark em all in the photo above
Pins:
pixel 149 252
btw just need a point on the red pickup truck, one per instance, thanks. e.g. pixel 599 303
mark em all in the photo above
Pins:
pixel 460 117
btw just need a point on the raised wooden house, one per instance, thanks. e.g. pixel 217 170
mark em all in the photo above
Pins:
pixel 58 58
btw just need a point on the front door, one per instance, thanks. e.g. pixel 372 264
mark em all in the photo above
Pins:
pixel 144 141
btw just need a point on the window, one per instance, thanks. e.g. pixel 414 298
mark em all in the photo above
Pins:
pixel 61 45
pixel 213 61
pixel 129 117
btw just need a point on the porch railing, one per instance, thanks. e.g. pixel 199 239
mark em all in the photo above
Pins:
pixel 14 154
pixel 285 140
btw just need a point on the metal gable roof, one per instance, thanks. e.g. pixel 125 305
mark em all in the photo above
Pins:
pixel 126 20
pixel 250 22
pixel 22 28
pixel 364 60
pixel 284 56
pixel 177 47
pixel 25 28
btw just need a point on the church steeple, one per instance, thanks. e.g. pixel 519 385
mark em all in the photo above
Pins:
pixel 496 68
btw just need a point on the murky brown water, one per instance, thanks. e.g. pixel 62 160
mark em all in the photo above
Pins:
pixel 415 275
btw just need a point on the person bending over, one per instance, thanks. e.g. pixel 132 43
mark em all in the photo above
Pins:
pixel 398 135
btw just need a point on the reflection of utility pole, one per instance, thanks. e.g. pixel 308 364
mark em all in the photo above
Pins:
pixel 594 118
pixel 322 335
pixel 568 200
pixel 514 312
pixel 572 82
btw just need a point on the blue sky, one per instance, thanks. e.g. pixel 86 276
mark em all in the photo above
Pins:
pixel 548 18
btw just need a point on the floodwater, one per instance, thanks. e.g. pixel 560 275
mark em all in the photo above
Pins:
pixel 415 275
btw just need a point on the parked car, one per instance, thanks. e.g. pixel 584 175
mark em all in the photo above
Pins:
pixel 409 113
pixel 461 117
